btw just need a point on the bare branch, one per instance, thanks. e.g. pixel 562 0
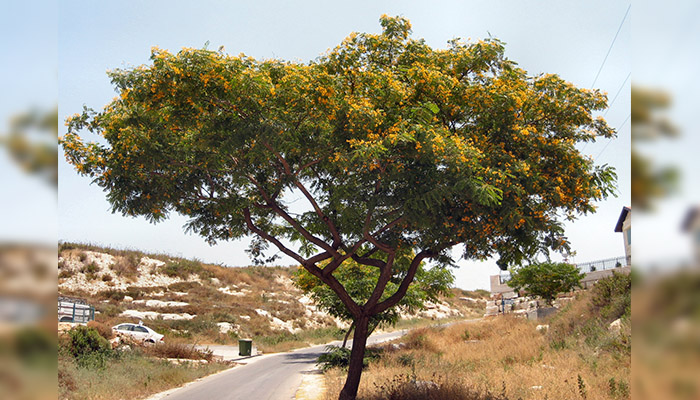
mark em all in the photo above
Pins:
pixel 270 238
pixel 403 288
pixel 288 169
pixel 384 277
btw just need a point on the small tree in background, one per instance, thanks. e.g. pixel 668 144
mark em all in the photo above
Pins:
pixel 546 280
pixel 360 280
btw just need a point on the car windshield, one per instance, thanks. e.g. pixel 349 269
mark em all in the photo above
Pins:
pixel 125 327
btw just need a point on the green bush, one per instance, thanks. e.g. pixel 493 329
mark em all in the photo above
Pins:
pixel 90 268
pixel 336 356
pixel 182 268
pixel 612 297
pixel 88 347
pixel 112 294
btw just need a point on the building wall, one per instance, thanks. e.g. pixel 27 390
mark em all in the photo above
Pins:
pixel 627 236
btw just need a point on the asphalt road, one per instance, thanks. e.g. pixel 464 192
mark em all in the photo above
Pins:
pixel 268 377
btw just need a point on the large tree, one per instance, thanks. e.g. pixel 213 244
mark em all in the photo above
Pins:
pixel 393 145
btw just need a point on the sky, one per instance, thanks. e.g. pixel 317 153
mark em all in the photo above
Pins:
pixel 568 38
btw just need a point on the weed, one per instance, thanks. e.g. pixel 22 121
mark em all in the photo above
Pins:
pixel 407 360
pixel 65 274
pixel 619 389
pixel 466 335
pixel 582 387
pixel 90 268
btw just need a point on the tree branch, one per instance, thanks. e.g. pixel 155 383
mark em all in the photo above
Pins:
pixel 288 169
pixel 270 238
pixel 384 277
pixel 403 288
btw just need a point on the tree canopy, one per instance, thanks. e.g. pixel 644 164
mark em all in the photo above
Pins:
pixel 546 279
pixel 394 146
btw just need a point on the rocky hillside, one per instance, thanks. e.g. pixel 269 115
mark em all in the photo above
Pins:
pixel 190 299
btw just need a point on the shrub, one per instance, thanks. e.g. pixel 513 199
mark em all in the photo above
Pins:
pixel 88 347
pixel 405 387
pixel 65 246
pixel 339 357
pixel 612 297
pixel 104 330
pixel 182 268
pixel 183 286
pixel 82 256
pixel 179 350
pixel 126 265
pixel 65 274
pixel 90 268
pixel 335 356
pixel 112 294
pixel 108 310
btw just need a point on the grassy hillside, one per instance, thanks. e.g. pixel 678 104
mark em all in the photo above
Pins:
pixel 197 302
pixel 575 355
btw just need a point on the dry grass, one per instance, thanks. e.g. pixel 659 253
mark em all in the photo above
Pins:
pixel 132 376
pixel 509 356
pixel 174 349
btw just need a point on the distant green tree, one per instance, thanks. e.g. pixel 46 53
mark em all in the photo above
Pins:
pixel 360 280
pixel 546 280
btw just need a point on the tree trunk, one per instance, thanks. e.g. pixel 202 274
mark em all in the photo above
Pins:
pixel 359 342
pixel 347 334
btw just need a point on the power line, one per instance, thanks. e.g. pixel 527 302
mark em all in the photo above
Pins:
pixel 617 94
pixel 610 140
pixel 611 103
pixel 611 45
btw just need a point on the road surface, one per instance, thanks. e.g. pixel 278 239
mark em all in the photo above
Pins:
pixel 268 377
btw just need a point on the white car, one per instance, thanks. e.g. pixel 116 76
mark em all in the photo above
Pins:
pixel 139 332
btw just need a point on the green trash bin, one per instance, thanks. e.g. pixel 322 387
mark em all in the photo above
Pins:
pixel 245 347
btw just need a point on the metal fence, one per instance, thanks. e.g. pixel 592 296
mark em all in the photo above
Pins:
pixel 69 311
pixel 602 265
pixel 587 267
